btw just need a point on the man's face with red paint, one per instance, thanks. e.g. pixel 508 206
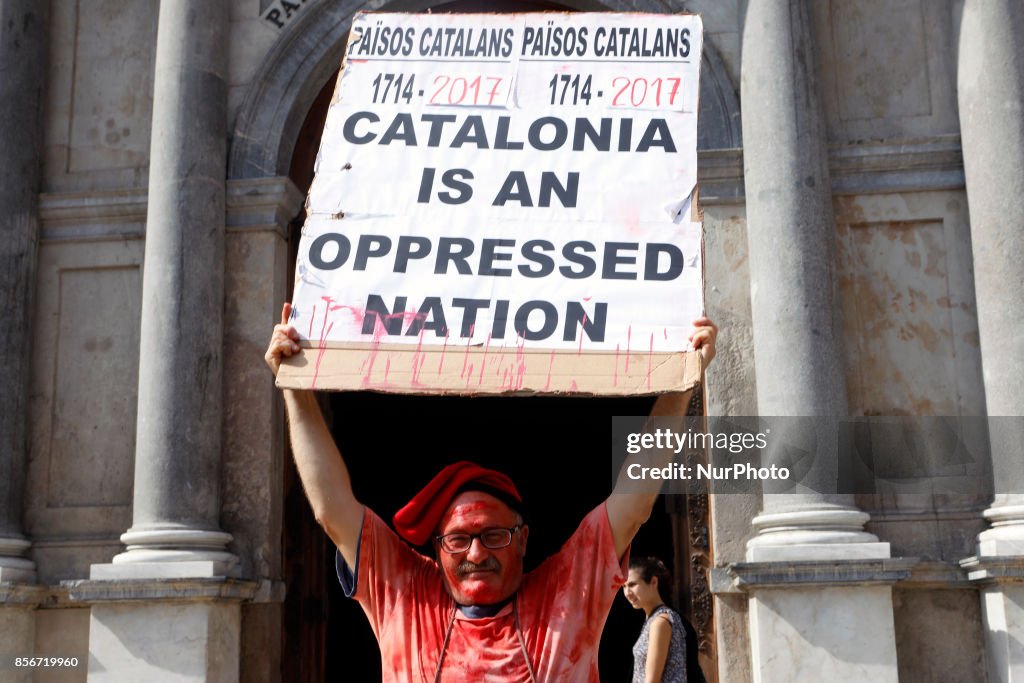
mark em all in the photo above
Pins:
pixel 481 575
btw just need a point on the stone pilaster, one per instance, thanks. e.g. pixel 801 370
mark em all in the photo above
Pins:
pixel 176 509
pixel 990 82
pixel 23 57
pixel 156 630
pixel 164 607
pixel 794 300
pixel 827 621
pixel 990 85
pixel 842 625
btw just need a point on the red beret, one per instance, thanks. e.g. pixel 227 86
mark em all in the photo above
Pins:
pixel 419 518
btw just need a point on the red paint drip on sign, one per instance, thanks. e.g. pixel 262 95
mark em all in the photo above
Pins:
pixel 582 323
pixel 465 359
pixel 444 347
pixel 378 331
pixel 629 336
pixel 483 363
pixel 650 360
pixel 520 361
pixel 417 359
pixel 551 364
pixel 320 354
pixel 615 377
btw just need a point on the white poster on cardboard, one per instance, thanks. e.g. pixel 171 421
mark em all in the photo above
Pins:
pixel 508 180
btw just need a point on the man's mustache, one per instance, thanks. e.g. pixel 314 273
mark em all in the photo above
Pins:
pixel 489 565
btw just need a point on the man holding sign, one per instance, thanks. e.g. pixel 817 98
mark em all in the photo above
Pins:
pixel 471 614
pixel 501 203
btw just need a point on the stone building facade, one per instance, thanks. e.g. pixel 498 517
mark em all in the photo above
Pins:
pixel 862 179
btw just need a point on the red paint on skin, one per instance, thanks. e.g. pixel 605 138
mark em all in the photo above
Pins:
pixel 650 360
pixel 562 626
pixel 551 363
pixel 463 513
pixel 472 512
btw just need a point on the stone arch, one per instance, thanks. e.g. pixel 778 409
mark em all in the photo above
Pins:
pixel 310 49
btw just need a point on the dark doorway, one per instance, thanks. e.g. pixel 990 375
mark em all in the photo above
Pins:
pixel 555 449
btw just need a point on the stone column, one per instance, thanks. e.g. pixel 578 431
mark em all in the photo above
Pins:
pixel 794 297
pixel 990 82
pixel 23 57
pixel 164 607
pixel 815 578
pixel 176 508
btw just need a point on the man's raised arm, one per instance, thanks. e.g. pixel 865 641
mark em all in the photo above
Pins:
pixel 323 472
pixel 628 511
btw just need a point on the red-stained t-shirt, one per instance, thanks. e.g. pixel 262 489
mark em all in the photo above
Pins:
pixel 562 608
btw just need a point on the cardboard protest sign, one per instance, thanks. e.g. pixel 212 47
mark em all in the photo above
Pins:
pixel 505 203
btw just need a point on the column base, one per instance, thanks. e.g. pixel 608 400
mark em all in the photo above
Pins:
pixel 14 567
pixel 1006 537
pixel 815 534
pixel 169 553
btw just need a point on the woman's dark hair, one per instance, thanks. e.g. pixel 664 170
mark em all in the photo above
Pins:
pixel 648 568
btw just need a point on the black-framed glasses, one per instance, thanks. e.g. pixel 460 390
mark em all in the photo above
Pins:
pixel 493 539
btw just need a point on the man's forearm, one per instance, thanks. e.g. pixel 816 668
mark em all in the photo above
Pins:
pixel 628 508
pixel 324 475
